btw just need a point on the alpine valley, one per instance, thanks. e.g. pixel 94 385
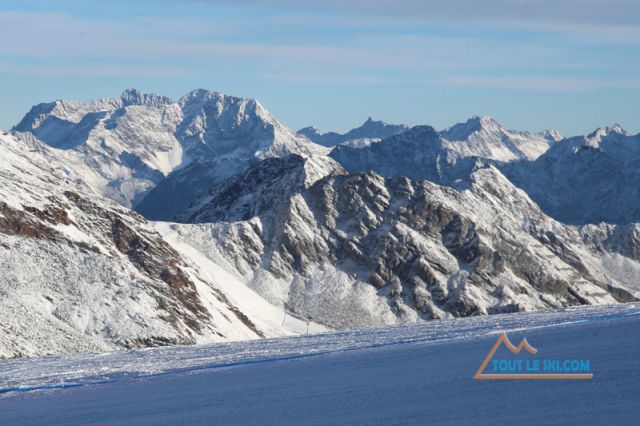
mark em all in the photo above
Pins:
pixel 141 221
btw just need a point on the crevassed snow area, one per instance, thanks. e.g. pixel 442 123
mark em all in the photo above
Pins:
pixel 415 374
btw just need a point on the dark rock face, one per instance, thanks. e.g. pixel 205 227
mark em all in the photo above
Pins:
pixel 413 242
pixel 250 193
pixel 22 222
pixel 266 185
pixel 157 260
pixel 152 256
pixel 149 253
pixel 378 227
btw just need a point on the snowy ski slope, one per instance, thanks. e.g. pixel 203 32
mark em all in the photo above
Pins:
pixel 414 374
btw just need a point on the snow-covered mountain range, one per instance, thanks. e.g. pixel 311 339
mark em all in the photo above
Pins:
pixel 419 153
pixel 123 147
pixel 586 179
pixel 444 157
pixel 390 225
pixel 357 249
pixel 370 130
pixel 81 273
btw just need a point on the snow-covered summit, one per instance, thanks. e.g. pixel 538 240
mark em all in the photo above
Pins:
pixel 236 127
pixel 604 135
pixel 133 96
pixel 443 157
pixel 462 131
pixel 74 111
pixel 483 136
pixel 124 146
pixel 586 179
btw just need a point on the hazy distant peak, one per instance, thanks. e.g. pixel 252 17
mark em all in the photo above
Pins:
pixel 462 131
pixel 605 134
pixel 133 96
pixel 370 129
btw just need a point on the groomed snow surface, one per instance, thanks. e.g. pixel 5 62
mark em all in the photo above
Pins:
pixel 414 374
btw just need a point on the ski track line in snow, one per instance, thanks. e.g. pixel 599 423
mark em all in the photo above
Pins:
pixel 279 358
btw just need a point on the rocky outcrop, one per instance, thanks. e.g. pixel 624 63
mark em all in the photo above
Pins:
pixel 398 250
pixel 262 187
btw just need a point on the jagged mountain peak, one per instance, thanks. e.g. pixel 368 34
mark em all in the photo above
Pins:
pixel 614 139
pixel 312 133
pixel 485 120
pixel 219 99
pixel 35 115
pixel 132 96
pixel 489 125
pixel 124 146
pixel 485 137
pixel 617 128
pixel 475 124
pixel 73 112
pixel 421 132
pixel 614 132
pixel 265 185
pixel 370 121
pixel 206 95
pixel 370 129
pixel 552 135
pixel 220 104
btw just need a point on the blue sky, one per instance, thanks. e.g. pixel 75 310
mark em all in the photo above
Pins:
pixel 572 65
